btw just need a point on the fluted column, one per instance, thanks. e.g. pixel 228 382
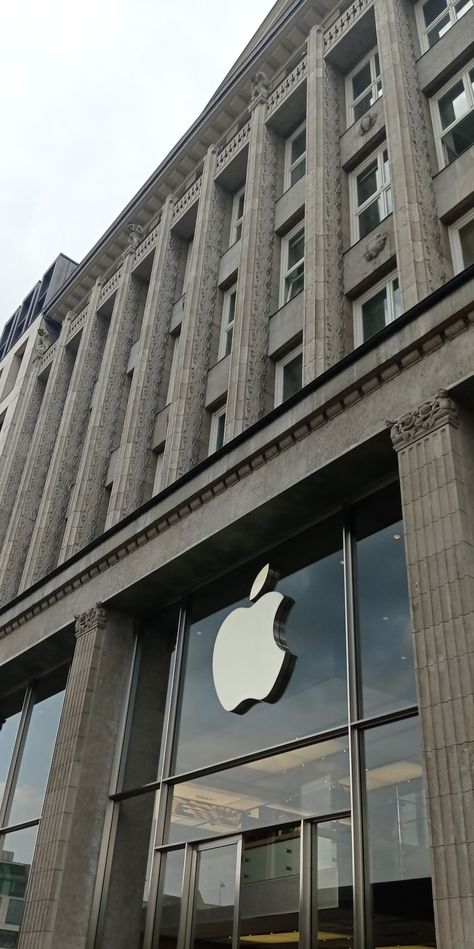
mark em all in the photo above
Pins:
pixel 148 377
pixel 420 258
pixel 324 340
pixel 85 512
pixel 32 478
pixel 247 398
pixel 187 431
pixel 45 543
pixel 62 877
pixel 434 445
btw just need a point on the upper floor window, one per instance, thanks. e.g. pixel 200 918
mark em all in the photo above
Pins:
pixel 376 309
pixel 216 435
pixel 436 17
pixel 288 375
pixel 237 216
pixel 227 324
pixel 371 194
pixel 173 368
pixel 462 242
pixel 295 156
pixel 364 86
pixel 454 117
pixel 292 264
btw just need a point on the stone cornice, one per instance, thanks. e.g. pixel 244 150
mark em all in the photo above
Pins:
pixel 431 415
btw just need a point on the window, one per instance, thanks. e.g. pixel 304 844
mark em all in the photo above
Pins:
pixel 371 194
pixel 173 367
pixel 292 264
pixel 237 216
pixel 159 456
pixel 462 242
pixel 295 156
pixel 436 17
pixel 227 323
pixel 376 309
pixel 288 375
pixel 363 87
pixel 454 117
pixel 216 437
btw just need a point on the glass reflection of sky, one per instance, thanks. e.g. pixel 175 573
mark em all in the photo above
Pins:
pixel 36 759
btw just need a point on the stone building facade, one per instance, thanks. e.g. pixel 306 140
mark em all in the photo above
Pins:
pixel 267 359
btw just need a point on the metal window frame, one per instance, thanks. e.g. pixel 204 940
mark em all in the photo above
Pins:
pixel 380 193
pixel 280 371
pixel 372 86
pixel 214 428
pixel 386 283
pixel 226 324
pixel 285 270
pixel 440 132
pixel 235 219
pixel 289 165
pixel 455 240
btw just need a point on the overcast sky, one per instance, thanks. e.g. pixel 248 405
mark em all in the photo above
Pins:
pixel 93 97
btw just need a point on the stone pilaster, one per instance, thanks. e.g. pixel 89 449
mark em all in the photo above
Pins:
pixel 62 877
pixel 187 430
pixel 435 462
pixel 32 478
pixel 324 307
pixel 148 378
pixel 45 543
pixel 247 395
pixel 420 259
pixel 86 519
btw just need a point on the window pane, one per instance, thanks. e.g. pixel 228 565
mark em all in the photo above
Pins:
pixel 361 80
pixel 462 7
pixel 374 314
pixel 16 854
pixel 238 232
pixel 466 236
pixel 292 376
pixel 439 30
pixel 298 145
pixel 367 183
pixel 384 635
pixel 460 137
pixel 369 218
pixel 399 860
pixel 453 104
pixel 296 249
pixel 269 898
pixel 433 9
pixel 169 901
pixel 228 341
pixel 240 205
pixel 396 298
pixel 295 283
pixel 285 787
pixel 333 858
pixel 36 759
pixel 298 171
pixel 9 721
pixel 231 307
pixel 220 431
pixel 362 106
pixel 377 66
pixel 214 896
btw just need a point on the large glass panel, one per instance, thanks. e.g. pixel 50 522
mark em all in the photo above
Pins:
pixel 453 104
pixel 16 854
pixel 334 904
pixel 466 236
pixel 399 861
pixel 361 80
pixel 315 696
pixel 214 897
pixel 10 713
pixel 169 900
pixel 384 636
pixel 374 313
pixel 369 218
pixel 292 376
pixel 460 137
pixel 367 183
pixel 269 896
pixel 296 784
pixel 296 249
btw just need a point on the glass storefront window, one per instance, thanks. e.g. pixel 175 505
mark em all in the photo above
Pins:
pixel 269 894
pixel 9 721
pixel 16 854
pixel 169 900
pixel 332 857
pixel 36 759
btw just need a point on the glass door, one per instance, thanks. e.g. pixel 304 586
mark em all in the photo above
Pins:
pixel 270 889
pixel 213 893
pixel 331 892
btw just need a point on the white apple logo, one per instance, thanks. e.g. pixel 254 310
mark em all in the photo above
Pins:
pixel 251 662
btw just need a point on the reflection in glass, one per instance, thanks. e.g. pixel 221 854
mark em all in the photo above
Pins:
pixel 9 721
pixel 269 895
pixel 214 896
pixel 169 900
pixel 292 376
pixel 399 863
pixel 375 313
pixel 16 853
pixel 296 784
pixel 466 236
pixel 36 759
pixel 334 905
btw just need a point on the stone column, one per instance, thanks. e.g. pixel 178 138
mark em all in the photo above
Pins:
pixel 324 303
pixel 434 445
pixel 45 543
pixel 247 395
pixel 187 430
pixel 86 519
pixel 32 478
pixel 143 403
pixel 62 877
pixel 420 258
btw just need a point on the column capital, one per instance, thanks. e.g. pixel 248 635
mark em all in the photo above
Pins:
pixel 430 415
pixel 90 619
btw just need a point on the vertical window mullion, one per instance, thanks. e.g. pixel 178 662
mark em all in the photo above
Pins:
pixel 17 753
pixel 308 912
pixel 238 886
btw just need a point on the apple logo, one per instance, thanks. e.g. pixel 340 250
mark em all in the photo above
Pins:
pixel 251 662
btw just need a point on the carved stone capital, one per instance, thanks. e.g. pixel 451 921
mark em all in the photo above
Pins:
pixel 375 245
pixel 91 619
pixel 260 89
pixel 441 410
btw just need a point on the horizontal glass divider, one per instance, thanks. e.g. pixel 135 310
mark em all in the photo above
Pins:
pixel 12 828
pixel 128 793
pixel 384 718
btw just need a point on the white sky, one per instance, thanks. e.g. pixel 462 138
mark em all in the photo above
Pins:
pixel 94 95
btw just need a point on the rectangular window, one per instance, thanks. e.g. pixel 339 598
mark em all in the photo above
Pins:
pixel 295 156
pixel 436 17
pixel 454 117
pixel 371 194
pixel 288 375
pixel 173 368
pixel 292 264
pixel 376 309
pixel 462 242
pixel 216 437
pixel 237 216
pixel 227 323
pixel 363 86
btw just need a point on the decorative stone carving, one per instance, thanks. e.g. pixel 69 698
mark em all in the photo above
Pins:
pixel 366 123
pixel 260 89
pixel 375 245
pixel 43 342
pixel 441 410
pixel 96 616
pixel 334 271
pixel 135 235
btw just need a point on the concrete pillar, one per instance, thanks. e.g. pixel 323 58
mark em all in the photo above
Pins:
pixel 434 445
pixel 187 429
pixel 32 478
pixel 86 511
pixel 247 398
pixel 45 543
pixel 324 329
pixel 420 259
pixel 147 383
pixel 62 877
